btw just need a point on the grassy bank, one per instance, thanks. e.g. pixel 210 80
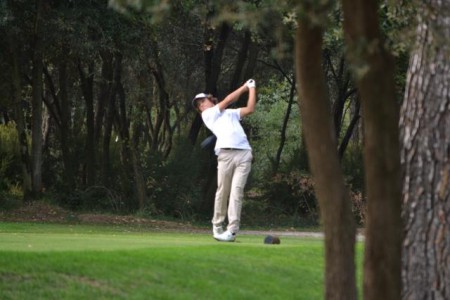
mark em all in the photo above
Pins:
pixel 104 262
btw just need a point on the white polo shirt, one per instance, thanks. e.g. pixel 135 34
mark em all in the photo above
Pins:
pixel 227 127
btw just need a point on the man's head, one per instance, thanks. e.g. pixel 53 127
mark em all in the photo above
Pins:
pixel 203 101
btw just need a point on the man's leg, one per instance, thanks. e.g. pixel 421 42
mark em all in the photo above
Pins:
pixel 243 166
pixel 224 176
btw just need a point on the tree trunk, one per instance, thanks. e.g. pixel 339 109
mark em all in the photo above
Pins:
pixel 140 188
pixel 253 51
pixel 375 81
pixel 163 111
pixel 241 58
pixel 126 154
pixel 277 160
pixel 65 129
pixel 213 56
pixel 350 129
pixel 240 71
pixel 106 157
pixel 334 200
pixel 87 85
pixel 37 90
pixel 105 92
pixel 20 123
pixel 425 133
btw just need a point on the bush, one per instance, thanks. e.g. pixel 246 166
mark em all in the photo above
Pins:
pixel 97 198
pixel 287 199
pixel 10 165
pixel 11 199
pixel 174 187
pixel 353 167
pixel 291 195
pixel 263 129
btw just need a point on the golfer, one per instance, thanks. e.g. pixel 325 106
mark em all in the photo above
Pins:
pixel 234 155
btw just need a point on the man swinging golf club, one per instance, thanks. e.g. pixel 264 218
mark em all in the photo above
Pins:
pixel 234 155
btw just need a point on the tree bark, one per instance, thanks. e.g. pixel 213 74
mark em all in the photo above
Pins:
pixel 350 129
pixel 37 90
pixel 240 61
pixel 140 188
pixel 108 126
pixel 105 93
pixel 213 56
pixel 374 75
pixel 87 85
pixel 65 130
pixel 20 123
pixel 333 196
pixel 425 135
pixel 277 159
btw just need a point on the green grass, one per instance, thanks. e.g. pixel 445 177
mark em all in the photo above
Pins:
pixel 39 261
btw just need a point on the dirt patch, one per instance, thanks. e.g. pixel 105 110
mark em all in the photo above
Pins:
pixel 42 212
pixel 35 212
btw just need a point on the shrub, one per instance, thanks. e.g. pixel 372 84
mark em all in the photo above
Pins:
pixel 98 198
pixel 353 166
pixel 11 199
pixel 10 167
pixel 174 186
pixel 291 194
pixel 289 199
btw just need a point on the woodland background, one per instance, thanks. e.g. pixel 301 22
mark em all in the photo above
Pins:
pixel 115 130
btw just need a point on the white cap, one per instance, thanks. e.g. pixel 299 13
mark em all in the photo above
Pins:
pixel 199 96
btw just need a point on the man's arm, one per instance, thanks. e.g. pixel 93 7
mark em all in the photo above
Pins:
pixel 251 102
pixel 232 97
pixel 249 86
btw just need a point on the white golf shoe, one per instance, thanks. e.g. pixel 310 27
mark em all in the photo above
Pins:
pixel 227 236
pixel 217 230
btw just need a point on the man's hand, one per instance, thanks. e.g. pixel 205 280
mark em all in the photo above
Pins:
pixel 251 83
pixel 234 96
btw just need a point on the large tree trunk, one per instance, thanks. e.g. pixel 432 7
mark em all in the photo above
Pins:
pixel 105 93
pixel 106 157
pixel 213 55
pixel 375 82
pixel 425 132
pixel 334 200
pixel 161 126
pixel 140 187
pixel 65 128
pixel 37 90
pixel 126 154
pixel 20 122
pixel 87 85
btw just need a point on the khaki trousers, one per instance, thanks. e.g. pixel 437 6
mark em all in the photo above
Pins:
pixel 232 172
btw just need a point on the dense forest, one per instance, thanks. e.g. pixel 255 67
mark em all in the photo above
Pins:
pixel 96 114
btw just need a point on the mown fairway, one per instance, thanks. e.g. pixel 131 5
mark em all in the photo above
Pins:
pixel 104 262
